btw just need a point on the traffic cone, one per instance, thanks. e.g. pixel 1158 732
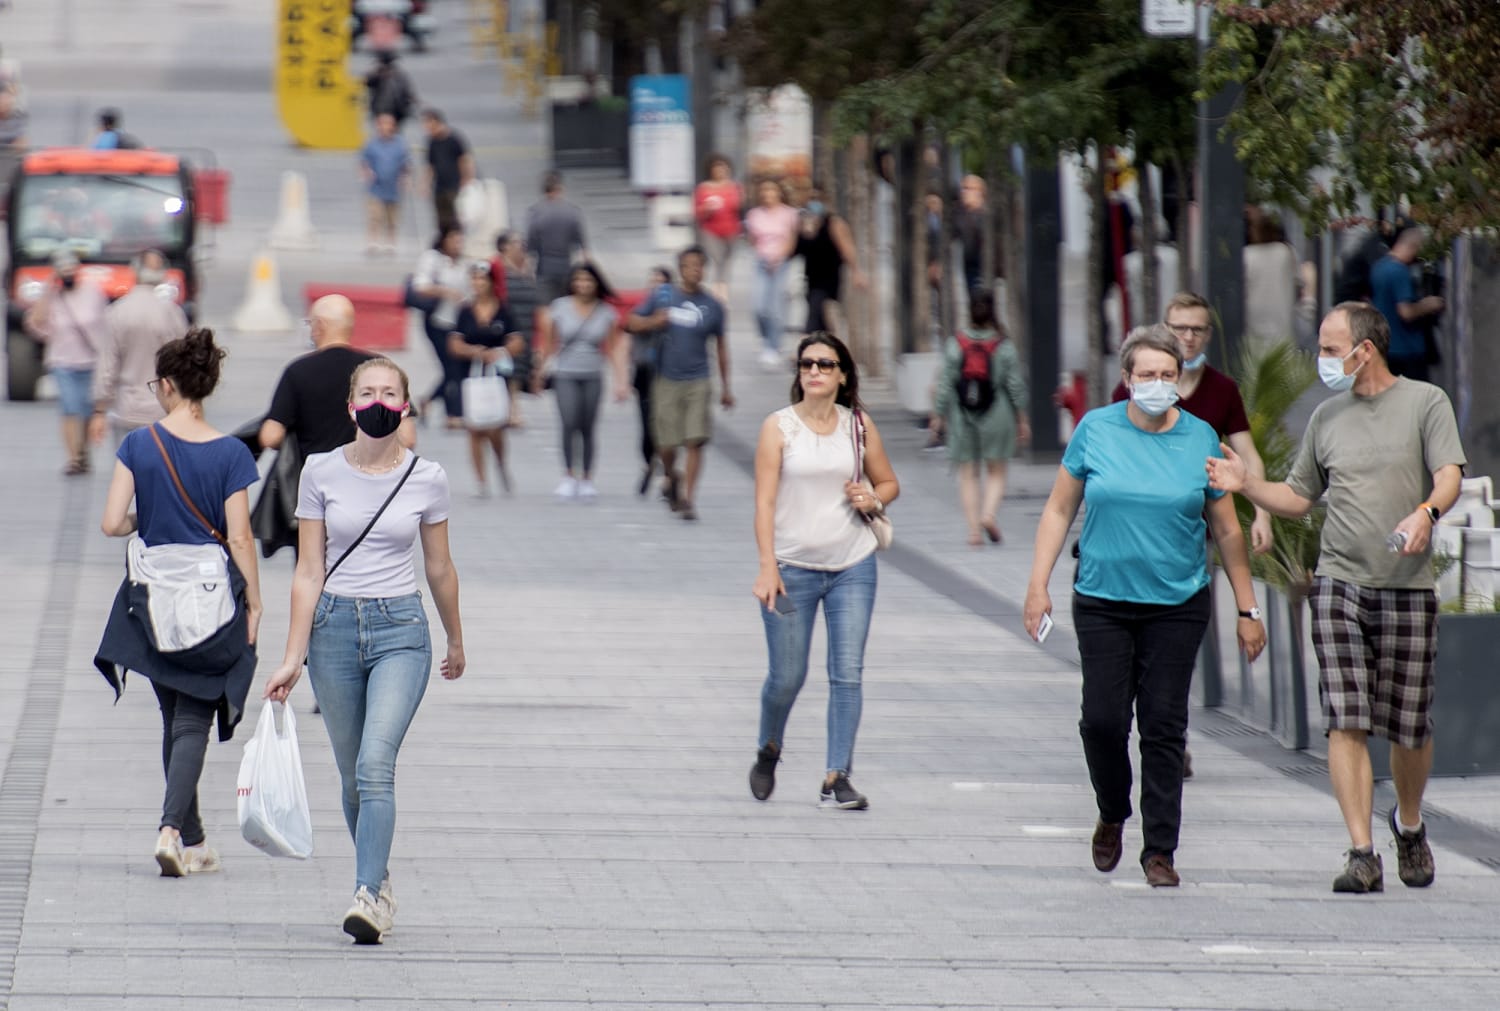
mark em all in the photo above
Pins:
pixel 263 311
pixel 294 228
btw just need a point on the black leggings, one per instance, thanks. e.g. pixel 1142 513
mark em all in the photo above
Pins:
pixel 578 403
pixel 645 376
pixel 453 370
pixel 185 723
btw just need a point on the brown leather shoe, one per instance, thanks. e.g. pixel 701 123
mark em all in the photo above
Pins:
pixel 1108 845
pixel 1159 872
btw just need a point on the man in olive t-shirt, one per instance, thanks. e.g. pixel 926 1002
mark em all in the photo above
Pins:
pixel 1388 457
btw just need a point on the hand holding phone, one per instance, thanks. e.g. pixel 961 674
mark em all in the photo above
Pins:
pixel 1043 628
pixel 784 605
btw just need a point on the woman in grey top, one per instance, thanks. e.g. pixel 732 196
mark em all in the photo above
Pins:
pixel 579 334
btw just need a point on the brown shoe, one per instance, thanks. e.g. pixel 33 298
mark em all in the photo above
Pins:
pixel 1159 872
pixel 1108 845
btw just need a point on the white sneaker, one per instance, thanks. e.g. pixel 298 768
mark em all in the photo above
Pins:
pixel 201 859
pixel 366 921
pixel 169 857
pixel 770 359
pixel 567 489
pixel 586 491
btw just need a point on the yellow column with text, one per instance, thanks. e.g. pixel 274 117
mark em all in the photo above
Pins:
pixel 319 102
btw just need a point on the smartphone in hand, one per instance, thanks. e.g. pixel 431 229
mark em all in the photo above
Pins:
pixel 1043 629
pixel 784 606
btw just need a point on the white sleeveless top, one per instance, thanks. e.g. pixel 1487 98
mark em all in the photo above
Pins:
pixel 816 527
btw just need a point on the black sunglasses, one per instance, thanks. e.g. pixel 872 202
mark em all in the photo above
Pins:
pixel 823 364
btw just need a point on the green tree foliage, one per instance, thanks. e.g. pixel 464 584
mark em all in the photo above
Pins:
pixel 1350 98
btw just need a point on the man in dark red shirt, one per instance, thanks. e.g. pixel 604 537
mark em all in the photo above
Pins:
pixel 1210 395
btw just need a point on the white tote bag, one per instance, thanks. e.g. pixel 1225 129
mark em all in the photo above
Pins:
pixel 188 595
pixel 486 398
pixel 274 816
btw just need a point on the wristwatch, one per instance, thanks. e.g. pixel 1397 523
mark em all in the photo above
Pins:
pixel 1432 511
pixel 1253 614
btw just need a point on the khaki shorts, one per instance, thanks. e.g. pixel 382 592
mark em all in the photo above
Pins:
pixel 381 216
pixel 680 413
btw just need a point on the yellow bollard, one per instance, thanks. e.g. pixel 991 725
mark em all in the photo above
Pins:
pixel 319 102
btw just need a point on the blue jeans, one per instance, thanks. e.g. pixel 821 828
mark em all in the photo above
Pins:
pixel 369 660
pixel 848 598
pixel 770 302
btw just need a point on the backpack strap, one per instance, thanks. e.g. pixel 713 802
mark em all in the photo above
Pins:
pixel 223 541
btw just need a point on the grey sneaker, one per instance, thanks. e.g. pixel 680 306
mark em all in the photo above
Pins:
pixel 386 900
pixel 1413 855
pixel 1363 872
pixel 169 858
pixel 763 772
pixel 842 795
pixel 366 921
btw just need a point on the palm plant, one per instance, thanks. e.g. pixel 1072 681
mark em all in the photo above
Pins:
pixel 1271 383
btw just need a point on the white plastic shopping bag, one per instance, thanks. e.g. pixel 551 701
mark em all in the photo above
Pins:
pixel 274 816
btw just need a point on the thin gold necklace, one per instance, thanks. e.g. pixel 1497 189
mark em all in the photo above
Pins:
pixel 371 470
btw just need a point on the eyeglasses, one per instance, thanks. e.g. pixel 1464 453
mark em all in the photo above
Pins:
pixel 821 364
pixel 1182 330
pixel 1166 377
pixel 153 385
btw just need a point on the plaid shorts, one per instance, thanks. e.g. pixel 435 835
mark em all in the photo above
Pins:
pixel 1375 650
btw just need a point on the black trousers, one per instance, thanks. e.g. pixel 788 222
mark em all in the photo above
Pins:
pixel 185 722
pixel 1138 656
pixel 645 375
pixel 817 309
pixel 454 370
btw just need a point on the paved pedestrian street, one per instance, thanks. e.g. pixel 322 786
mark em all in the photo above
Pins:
pixel 575 828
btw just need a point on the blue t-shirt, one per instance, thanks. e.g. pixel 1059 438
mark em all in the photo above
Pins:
pixel 1143 532
pixel 387 159
pixel 692 318
pixel 1390 283
pixel 210 471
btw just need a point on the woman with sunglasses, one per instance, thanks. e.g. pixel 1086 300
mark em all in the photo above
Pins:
pixel 214 470
pixel 816 547
pixel 357 616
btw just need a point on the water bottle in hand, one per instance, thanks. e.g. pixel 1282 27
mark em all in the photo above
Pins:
pixel 1396 541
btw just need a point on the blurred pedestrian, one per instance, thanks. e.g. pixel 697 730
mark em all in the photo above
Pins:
pixel 13 119
pixel 485 334
pixel 385 165
pixel 688 318
pixel 516 287
pixel 68 318
pixel 717 204
pixel 357 617
pixel 1270 266
pixel 442 278
pixel 1384 453
pixel 980 404
pixel 137 325
pixel 580 337
pixel 1394 293
pixel 645 349
pixel 1140 598
pixel 450 166
pixel 771 227
pixel 968 225
pixel 308 416
pixel 555 238
pixel 826 246
pixel 816 547
pixel 189 484
pixel 111 135
pixel 388 89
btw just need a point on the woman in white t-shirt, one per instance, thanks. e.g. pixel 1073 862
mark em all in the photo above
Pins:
pixel 815 545
pixel 357 616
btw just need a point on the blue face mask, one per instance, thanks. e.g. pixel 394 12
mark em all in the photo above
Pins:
pixel 1196 363
pixel 816 208
pixel 1155 396
pixel 1331 371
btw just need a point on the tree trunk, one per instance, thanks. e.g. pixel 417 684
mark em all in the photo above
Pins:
pixel 1099 216
pixel 1148 311
pixel 946 302
pixel 1185 253
pixel 915 213
pixel 858 309
pixel 1001 256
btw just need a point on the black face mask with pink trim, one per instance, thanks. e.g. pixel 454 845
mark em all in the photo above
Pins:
pixel 378 420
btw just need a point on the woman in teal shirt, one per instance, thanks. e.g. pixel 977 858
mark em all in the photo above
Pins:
pixel 1140 599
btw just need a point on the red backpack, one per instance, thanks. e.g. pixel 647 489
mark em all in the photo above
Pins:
pixel 976 386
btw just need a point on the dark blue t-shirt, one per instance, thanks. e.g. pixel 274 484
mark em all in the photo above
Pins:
pixel 1390 284
pixel 691 320
pixel 210 471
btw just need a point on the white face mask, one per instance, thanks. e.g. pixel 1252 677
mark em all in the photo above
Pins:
pixel 1331 371
pixel 1155 397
